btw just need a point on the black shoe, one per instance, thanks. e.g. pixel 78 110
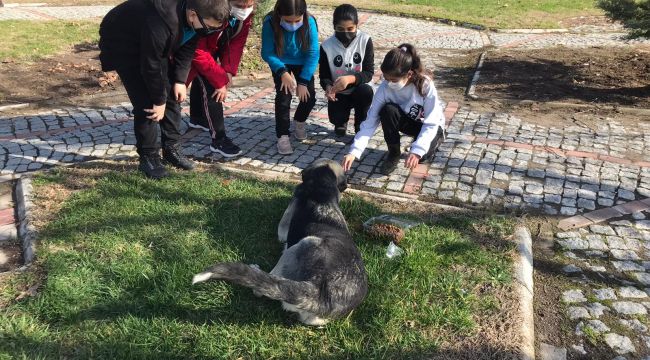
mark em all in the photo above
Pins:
pixel 174 157
pixel 152 166
pixel 225 147
pixel 437 140
pixel 198 123
pixel 391 161
pixel 340 130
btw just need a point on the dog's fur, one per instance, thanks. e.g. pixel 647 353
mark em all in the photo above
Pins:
pixel 320 274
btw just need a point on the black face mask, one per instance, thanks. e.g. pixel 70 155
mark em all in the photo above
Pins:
pixel 206 30
pixel 345 37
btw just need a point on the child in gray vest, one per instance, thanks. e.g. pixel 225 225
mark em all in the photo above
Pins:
pixel 346 67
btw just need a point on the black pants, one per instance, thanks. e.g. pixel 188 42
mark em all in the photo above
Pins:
pixel 204 107
pixel 359 99
pixel 394 120
pixel 146 131
pixel 283 103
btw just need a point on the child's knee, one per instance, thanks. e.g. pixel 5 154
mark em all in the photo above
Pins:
pixel 365 92
pixel 389 111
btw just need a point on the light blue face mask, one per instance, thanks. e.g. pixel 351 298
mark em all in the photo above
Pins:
pixel 290 27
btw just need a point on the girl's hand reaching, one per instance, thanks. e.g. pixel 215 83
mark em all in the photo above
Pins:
pixel 347 162
pixel 412 161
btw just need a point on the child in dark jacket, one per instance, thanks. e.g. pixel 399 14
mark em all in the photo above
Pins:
pixel 346 68
pixel 290 47
pixel 215 63
pixel 150 44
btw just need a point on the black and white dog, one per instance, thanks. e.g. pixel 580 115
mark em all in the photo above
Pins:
pixel 320 274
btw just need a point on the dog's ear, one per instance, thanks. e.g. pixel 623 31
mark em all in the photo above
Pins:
pixel 306 174
pixel 342 182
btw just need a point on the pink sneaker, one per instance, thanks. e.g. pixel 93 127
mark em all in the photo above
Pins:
pixel 284 145
pixel 299 131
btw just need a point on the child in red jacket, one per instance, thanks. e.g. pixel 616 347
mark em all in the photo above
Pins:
pixel 215 62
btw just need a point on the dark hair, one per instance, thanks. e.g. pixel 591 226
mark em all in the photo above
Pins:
pixel 402 59
pixel 215 9
pixel 345 12
pixel 290 8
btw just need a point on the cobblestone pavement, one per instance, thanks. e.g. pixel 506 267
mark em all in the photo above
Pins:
pixel 609 299
pixel 489 159
pixel 388 30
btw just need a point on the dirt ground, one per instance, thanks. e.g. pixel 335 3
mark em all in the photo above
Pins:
pixel 616 76
pixel 57 79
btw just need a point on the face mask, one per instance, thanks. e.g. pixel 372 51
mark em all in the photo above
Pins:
pixel 397 85
pixel 345 37
pixel 290 27
pixel 241 14
pixel 205 30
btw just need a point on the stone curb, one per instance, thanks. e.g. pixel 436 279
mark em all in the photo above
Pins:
pixel 565 105
pixel 394 196
pixel 24 5
pixel 24 206
pixel 472 85
pixel 604 214
pixel 524 283
pixel 531 31
pixel 13 106
pixel 445 21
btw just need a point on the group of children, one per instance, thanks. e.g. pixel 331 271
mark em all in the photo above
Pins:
pixel 160 47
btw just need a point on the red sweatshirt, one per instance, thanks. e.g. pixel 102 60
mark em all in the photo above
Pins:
pixel 228 50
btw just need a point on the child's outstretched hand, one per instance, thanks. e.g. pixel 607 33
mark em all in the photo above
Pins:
pixel 157 113
pixel 180 92
pixel 303 93
pixel 288 83
pixel 412 161
pixel 347 162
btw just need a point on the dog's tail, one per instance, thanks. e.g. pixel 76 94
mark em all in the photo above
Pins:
pixel 302 294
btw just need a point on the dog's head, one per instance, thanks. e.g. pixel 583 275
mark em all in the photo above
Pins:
pixel 323 172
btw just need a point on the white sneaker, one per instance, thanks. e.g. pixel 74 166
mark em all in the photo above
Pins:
pixel 284 145
pixel 299 131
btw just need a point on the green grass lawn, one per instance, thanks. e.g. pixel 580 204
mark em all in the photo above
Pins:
pixel 117 259
pixel 491 13
pixel 31 40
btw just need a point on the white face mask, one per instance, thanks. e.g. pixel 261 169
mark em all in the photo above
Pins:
pixel 240 13
pixel 397 85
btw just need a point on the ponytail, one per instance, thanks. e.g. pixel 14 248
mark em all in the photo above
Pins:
pixel 402 59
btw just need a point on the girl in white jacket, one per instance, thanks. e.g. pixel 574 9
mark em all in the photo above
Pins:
pixel 405 102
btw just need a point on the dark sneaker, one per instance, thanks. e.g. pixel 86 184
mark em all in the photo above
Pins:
pixel 198 123
pixel 152 166
pixel 440 137
pixel 391 161
pixel 225 147
pixel 340 130
pixel 174 157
